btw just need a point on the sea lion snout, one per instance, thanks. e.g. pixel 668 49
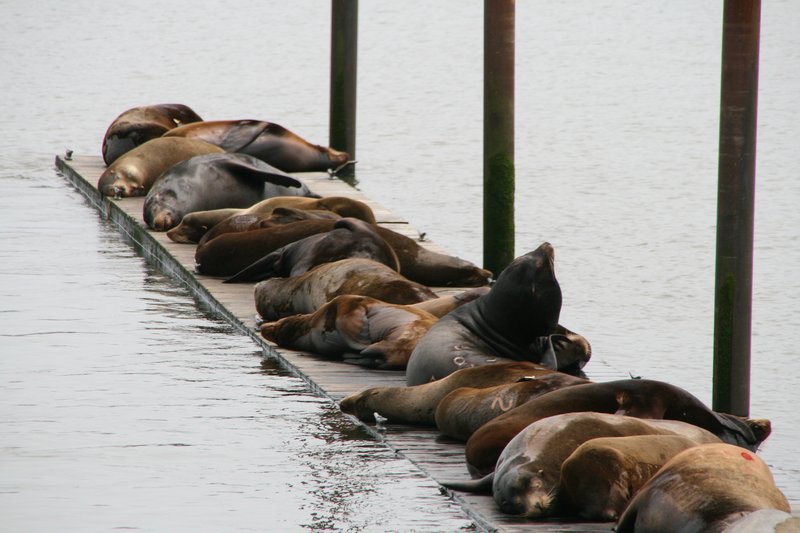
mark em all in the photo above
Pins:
pixel 163 221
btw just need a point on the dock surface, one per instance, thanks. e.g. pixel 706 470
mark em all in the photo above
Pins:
pixel 438 458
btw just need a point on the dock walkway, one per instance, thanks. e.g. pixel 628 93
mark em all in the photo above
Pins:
pixel 438 458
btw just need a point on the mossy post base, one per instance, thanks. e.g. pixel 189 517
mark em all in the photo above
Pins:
pixel 735 206
pixel 498 134
pixel 344 60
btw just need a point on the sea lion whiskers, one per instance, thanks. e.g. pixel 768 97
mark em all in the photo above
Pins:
pixel 540 503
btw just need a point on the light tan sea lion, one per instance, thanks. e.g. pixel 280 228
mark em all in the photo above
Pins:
pixel 703 489
pixel 135 172
pixel 416 405
pixel 601 476
pixel 464 410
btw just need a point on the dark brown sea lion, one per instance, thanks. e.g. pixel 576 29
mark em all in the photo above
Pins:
pixel 526 479
pixel 464 410
pixel 194 225
pixel 417 263
pixel 362 330
pixel 194 228
pixel 215 181
pixel 601 476
pixel 642 398
pixel 269 142
pixel 279 297
pixel 431 268
pixel 280 215
pixel 135 172
pixel 349 237
pixel 521 308
pixel 416 405
pixel 703 489
pixel 229 253
pixel 140 124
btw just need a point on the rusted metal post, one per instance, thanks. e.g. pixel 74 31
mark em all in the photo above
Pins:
pixel 498 134
pixel 344 55
pixel 735 206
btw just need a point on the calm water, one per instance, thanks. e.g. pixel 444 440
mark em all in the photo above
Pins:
pixel 124 405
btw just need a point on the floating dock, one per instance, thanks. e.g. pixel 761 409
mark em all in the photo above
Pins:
pixel 437 457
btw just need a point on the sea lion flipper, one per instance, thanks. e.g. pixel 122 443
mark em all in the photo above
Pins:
pixel 481 486
pixel 261 173
pixel 361 359
pixel 542 347
pixel 260 270
pixel 242 134
pixel 739 432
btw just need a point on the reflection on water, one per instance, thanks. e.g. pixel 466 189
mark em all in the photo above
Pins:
pixel 123 404
pixel 126 406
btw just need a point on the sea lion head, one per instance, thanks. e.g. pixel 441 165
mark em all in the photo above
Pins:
pixel 121 181
pixel 527 490
pixel 158 213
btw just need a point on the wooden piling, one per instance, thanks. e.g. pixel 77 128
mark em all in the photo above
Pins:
pixel 344 62
pixel 735 206
pixel 498 134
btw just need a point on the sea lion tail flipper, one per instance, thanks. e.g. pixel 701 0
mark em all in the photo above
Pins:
pixel 262 269
pixel 481 486
pixel 245 170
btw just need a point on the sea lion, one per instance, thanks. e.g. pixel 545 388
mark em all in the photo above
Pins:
pixel 431 268
pixel 267 141
pixel 279 297
pixel 280 215
pixel 140 124
pixel 703 489
pixel 416 405
pixel 195 227
pixel 229 253
pixel 259 216
pixel 572 350
pixel 362 330
pixel 464 410
pixel 599 478
pixel 135 172
pixel 215 181
pixel 522 306
pixel 642 398
pixel 526 479
pixel 349 237
pixel 417 263
pixel 245 222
